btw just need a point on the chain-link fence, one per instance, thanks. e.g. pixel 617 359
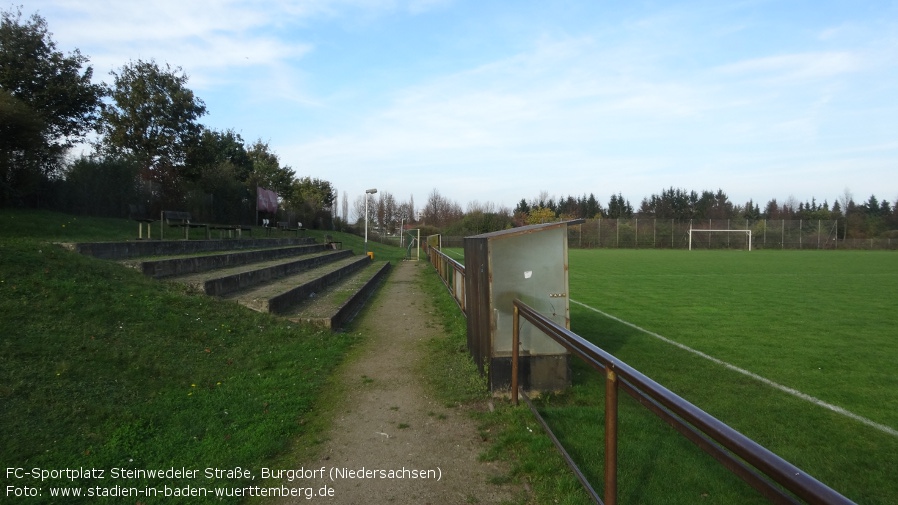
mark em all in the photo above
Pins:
pixel 638 233
pixel 648 233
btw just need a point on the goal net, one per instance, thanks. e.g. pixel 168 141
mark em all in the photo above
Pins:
pixel 719 239
pixel 414 242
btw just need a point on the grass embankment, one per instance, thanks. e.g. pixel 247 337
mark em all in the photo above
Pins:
pixel 101 367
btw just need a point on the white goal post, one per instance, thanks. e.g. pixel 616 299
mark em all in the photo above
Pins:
pixel 747 232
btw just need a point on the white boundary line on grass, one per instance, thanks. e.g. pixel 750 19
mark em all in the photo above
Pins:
pixel 794 392
pixel 457 255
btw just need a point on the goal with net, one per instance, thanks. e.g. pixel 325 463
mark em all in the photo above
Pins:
pixel 711 233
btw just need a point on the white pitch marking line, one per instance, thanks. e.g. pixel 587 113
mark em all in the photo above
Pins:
pixel 794 392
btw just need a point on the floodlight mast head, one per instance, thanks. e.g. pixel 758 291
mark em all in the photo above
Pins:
pixel 371 191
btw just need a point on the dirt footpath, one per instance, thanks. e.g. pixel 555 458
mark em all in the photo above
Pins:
pixel 388 428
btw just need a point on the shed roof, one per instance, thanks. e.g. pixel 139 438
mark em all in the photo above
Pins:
pixel 523 230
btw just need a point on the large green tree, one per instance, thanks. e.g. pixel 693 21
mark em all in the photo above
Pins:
pixel 213 149
pixel 47 104
pixel 154 120
pixel 311 200
pixel 618 207
pixel 318 193
pixel 267 170
pixel 217 165
pixel 21 144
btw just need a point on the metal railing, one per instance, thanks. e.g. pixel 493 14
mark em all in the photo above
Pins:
pixel 768 473
pixel 452 274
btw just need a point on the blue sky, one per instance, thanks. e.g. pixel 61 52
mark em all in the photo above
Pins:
pixel 490 101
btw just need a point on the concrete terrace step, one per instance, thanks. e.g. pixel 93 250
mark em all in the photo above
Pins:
pixel 278 296
pixel 182 265
pixel 339 303
pixel 220 282
pixel 305 281
pixel 133 249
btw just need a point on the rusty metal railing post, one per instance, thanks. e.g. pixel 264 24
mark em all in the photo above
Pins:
pixel 515 340
pixel 610 436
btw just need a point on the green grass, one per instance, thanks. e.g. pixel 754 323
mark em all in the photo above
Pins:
pixel 510 434
pixel 382 252
pixel 808 320
pixel 451 372
pixel 101 367
pixel 818 322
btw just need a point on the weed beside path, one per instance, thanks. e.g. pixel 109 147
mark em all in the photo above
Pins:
pixel 386 420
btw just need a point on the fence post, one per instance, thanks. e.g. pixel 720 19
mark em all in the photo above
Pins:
pixel 710 234
pixel 610 436
pixel 515 340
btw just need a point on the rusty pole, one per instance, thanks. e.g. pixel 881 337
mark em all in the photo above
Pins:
pixel 515 339
pixel 610 436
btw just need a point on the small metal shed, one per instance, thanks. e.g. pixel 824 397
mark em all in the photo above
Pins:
pixel 529 263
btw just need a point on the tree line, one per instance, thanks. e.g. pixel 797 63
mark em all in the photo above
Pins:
pixel 147 147
pixel 868 219
pixel 439 214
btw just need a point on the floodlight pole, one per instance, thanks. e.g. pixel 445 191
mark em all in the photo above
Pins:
pixel 367 192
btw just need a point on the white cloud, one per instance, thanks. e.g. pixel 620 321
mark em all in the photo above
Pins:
pixel 420 6
pixel 201 36
pixel 111 21
pixel 797 67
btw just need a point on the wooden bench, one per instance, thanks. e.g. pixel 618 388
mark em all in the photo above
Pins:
pixel 138 213
pixel 230 229
pixel 285 226
pixel 178 219
pixel 333 244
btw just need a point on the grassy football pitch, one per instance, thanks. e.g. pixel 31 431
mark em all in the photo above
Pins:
pixel 822 324
pixel 795 349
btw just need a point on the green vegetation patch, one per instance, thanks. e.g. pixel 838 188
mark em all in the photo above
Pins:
pixel 451 372
pixel 103 368
pixel 816 322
